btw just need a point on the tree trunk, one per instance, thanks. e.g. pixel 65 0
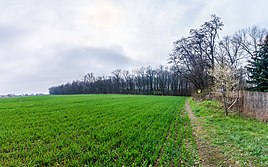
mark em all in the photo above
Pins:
pixel 225 104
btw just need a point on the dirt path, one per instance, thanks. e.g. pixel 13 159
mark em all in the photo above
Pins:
pixel 209 156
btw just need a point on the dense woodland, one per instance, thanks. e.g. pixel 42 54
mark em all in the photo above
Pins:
pixel 191 62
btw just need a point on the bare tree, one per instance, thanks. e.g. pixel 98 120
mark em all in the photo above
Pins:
pixel 250 38
pixel 193 56
pixel 232 50
pixel 127 81
pixel 117 77
pixel 150 74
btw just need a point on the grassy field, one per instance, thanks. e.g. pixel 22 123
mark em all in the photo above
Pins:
pixel 242 140
pixel 95 130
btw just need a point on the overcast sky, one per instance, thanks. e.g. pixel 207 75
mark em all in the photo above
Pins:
pixel 44 43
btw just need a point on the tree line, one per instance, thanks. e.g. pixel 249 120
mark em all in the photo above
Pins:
pixel 149 80
pixel 198 63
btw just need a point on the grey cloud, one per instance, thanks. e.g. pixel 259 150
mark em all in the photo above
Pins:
pixel 72 63
pixel 98 55
pixel 65 65
pixel 8 33
pixel 82 59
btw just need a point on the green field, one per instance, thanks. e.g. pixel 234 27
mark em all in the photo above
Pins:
pixel 242 140
pixel 95 130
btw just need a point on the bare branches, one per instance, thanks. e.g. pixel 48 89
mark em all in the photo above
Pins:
pixel 193 56
pixel 250 38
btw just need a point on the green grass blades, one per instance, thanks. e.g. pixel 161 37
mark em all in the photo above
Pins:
pixel 243 140
pixel 93 130
pixel 179 148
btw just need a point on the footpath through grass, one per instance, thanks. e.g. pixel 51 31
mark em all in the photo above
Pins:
pixel 243 140
pixel 95 130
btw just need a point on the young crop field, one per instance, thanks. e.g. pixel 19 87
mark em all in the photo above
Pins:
pixel 95 130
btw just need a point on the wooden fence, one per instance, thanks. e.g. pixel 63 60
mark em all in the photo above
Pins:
pixel 253 104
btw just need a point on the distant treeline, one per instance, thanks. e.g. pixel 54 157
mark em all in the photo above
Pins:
pixel 146 80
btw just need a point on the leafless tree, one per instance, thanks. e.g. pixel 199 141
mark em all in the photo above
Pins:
pixel 250 38
pixel 193 56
